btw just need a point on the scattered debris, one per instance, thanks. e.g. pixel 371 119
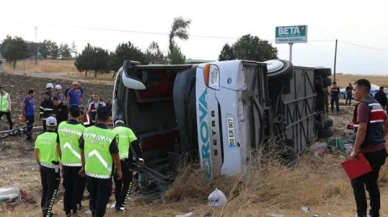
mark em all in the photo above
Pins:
pixel 9 194
pixel 306 209
pixel 217 198
pixel 274 215
pixel 190 214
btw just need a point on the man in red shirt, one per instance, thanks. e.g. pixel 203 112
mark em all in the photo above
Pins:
pixel 370 127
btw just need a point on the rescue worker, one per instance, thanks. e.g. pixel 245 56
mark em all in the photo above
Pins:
pixel 93 108
pixel 371 128
pixel 50 88
pixel 69 133
pixel 58 93
pixel 61 111
pixel 335 91
pixel 99 151
pixel 127 139
pixel 28 112
pixel 46 109
pixel 47 158
pixel 5 106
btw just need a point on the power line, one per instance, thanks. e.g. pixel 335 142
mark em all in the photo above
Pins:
pixel 363 46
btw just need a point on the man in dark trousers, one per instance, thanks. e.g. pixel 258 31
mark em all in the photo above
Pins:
pixel 28 111
pixel 349 94
pixel 47 158
pixel 46 109
pixel 123 186
pixel 5 106
pixel 69 134
pixel 92 108
pixel 370 127
pixel 61 111
pixel 334 93
pixel 381 97
pixel 99 152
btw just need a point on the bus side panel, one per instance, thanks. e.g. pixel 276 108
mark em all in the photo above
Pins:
pixel 203 128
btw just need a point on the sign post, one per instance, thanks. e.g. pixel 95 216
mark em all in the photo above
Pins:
pixel 290 35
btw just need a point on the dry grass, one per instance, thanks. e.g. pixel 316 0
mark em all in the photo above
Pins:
pixel 343 80
pixel 43 66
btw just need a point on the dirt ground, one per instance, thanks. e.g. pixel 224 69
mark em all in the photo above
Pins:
pixel 319 183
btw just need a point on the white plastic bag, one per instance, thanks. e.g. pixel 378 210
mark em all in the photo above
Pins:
pixel 217 198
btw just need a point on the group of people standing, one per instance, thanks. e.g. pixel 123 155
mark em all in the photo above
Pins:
pixel 85 156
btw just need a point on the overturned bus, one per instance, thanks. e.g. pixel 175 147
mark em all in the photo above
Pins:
pixel 219 112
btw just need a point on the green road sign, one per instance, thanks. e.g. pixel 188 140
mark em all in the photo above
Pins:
pixel 291 34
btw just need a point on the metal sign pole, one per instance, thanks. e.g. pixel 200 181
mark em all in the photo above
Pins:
pixel 291 51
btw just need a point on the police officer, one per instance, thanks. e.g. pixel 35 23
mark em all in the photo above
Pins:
pixel 5 106
pixel 48 161
pixel 69 133
pixel 123 186
pixel 335 91
pixel 99 151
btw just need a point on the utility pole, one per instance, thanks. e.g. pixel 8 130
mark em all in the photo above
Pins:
pixel 291 51
pixel 36 44
pixel 335 57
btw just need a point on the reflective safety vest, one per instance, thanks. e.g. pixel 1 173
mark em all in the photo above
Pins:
pixel 98 160
pixel 47 145
pixel 4 102
pixel 69 135
pixel 126 137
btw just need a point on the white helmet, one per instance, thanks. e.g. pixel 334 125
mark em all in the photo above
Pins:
pixel 58 87
pixel 49 85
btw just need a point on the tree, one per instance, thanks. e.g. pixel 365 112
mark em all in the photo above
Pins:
pixel 178 30
pixel 253 48
pixel 126 51
pixel 14 49
pixel 84 61
pixel 155 55
pixel 100 61
pixel 65 52
pixel 43 49
pixel 73 49
pixel 227 53
pixel 7 40
pixel 53 50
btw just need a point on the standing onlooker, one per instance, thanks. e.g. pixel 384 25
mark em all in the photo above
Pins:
pixel 68 88
pixel 381 97
pixel 335 91
pixel 90 100
pixel 46 109
pixel 73 96
pixel 5 106
pixel 58 93
pixel 349 94
pixel 61 111
pixel 28 112
pixel 370 127
pixel 80 90
pixel 92 109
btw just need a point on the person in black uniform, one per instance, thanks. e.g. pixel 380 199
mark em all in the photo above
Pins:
pixel 46 109
pixel 61 111
pixel 335 91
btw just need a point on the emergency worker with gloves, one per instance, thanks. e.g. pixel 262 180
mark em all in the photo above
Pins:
pixel 99 151
pixel 69 134
pixel 46 109
pixel 123 186
pixel 48 161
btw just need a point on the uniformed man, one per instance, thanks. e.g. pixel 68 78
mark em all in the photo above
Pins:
pixel 46 109
pixel 93 106
pixel 99 151
pixel 5 106
pixel 69 134
pixel 48 161
pixel 123 186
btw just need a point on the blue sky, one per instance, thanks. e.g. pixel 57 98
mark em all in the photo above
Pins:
pixel 353 22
